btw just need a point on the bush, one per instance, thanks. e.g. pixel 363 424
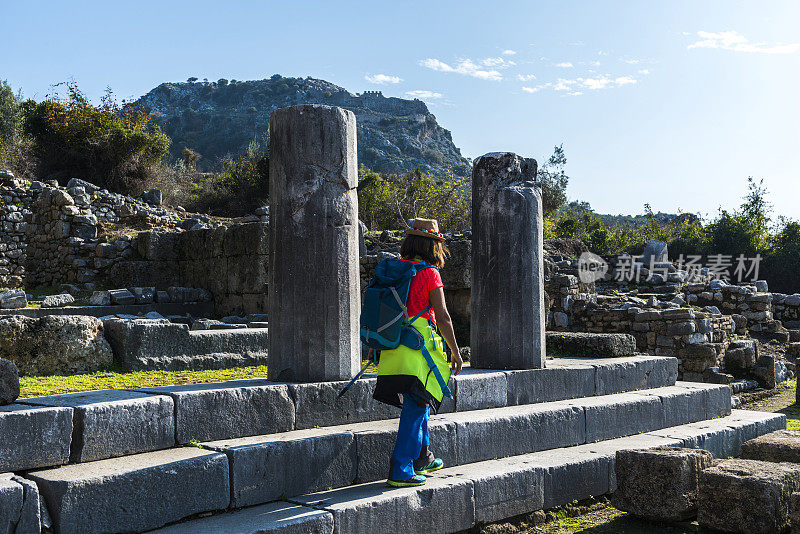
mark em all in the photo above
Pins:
pixel 10 114
pixel 240 188
pixel 111 146
pixel 387 201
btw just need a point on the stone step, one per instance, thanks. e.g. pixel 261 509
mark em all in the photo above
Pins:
pixel 134 493
pixel 266 468
pixel 457 498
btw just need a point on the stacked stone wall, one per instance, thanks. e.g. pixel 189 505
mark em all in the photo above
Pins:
pixel 14 211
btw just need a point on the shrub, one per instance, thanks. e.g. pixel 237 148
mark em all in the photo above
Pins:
pixel 111 146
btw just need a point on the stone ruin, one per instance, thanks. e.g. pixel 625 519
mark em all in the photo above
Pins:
pixel 523 433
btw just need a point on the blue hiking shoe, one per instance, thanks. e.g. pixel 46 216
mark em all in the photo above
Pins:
pixel 435 465
pixel 416 480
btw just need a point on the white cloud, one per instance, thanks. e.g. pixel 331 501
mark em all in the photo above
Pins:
pixel 573 86
pixel 509 52
pixel 526 77
pixel 422 94
pixel 630 61
pixel 564 65
pixel 595 63
pixel 464 66
pixel 381 79
pixel 735 41
pixel 530 89
pixel 624 80
pixel 499 62
pixel 644 71
pixel 575 93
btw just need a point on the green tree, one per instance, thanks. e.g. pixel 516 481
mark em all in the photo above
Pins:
pixel 554 181
pixel 10 113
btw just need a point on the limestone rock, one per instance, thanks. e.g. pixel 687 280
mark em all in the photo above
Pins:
pixel 660 484
pixel 152 197
pixel 747 496
pixel 780 446
pixel 655 252
pixel 54 344
pixel 122 296
pixel 13 299
pixel 57 301
pixel 741 355
pixel 9 382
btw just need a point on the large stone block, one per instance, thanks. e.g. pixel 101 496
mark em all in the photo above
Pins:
pixel 273 518
pixel 319 404
pixel 110 423
pixel 443 505
pixel 375 443
pixel 268 468
pixel 34 437
pixel 9 382
pixel 137 493
pixel 635 372
pixel 747 496
pixel 504 488
pixel 659 484
pixel 621 415
pixel 517 430
pixel 780 446
pixel 508 312
pixel 590 344
pixel 477 389
pixel 225 410
pixel 574 473
pixel 314 296
pixel 558 381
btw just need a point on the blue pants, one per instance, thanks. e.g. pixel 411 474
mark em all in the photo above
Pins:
pixel 412 435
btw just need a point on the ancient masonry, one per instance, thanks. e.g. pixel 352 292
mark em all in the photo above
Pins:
pixel 291 457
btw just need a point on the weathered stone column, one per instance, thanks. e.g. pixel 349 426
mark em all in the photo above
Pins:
pixel 508 317
pixel 314 297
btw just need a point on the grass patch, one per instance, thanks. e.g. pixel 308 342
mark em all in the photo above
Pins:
pixel 36 386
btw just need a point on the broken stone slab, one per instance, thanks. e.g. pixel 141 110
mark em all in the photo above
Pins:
pixel 13 299
pixel 57 301
pixel 442 505
pixel 741 356
pixel 20 505
pixel 9 382
pixel 780 446
pixel 313 244
pixel 589 344
pixel 110 423
pixel 319 404
pixel 34 437
pixel 273 518
pixel 225 410
pixel 143 295
pixel 121 296
pixel 659 484
pixel 507 302
pixel 747 496
pixel 100 298
pixel 268 468
pixel 156 488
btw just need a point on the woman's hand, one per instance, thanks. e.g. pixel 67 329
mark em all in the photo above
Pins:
pixel 456 363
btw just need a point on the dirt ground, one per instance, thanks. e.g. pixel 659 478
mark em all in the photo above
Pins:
pixel 597 516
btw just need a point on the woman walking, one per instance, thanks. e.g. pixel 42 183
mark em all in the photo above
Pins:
pixel 407 372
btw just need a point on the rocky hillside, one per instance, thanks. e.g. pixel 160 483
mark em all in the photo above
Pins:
pixel 217 119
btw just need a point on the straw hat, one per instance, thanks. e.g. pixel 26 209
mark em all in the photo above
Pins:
pixel 425 228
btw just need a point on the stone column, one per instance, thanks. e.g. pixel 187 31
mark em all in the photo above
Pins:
pixel 508 316
pixel 314 296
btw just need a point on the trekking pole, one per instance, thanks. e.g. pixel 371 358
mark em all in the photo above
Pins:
pixel 361 372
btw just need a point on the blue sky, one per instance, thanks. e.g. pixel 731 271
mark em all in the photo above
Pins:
pixel 671 103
